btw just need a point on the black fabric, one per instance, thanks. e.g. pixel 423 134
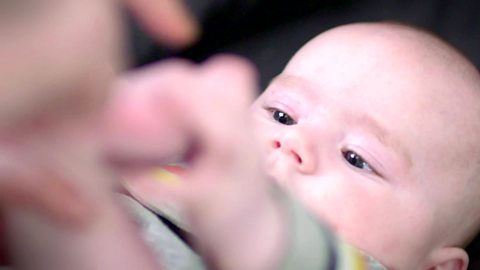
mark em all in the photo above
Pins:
pixel 473 251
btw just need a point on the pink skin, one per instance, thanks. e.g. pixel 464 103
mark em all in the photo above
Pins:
pixel 340 90
pixel 57 63
pixel 53 75
pixel 80 61
pixel 80 43
pixel 175 105
pixel 61 57
pixel 58 60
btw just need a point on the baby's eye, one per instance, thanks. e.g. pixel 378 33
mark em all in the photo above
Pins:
pixel 356 160
pixel 282 117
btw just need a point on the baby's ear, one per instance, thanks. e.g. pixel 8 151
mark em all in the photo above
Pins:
pixel 448 258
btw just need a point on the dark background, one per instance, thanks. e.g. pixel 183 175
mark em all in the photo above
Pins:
pixel 268 32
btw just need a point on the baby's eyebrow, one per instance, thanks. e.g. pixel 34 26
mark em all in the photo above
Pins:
pixel 380 132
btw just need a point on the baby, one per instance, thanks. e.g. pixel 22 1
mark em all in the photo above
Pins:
pixel 374 128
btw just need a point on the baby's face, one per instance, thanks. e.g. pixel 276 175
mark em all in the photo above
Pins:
pixel 359 132
pixel 56 52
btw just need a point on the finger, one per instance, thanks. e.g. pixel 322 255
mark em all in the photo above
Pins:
pixel 221 120
pixel 214 118
pixel 139 124
pixel 231 77
pixel 210 109
pixel 167 20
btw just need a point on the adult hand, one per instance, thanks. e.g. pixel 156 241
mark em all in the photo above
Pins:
pixel 200 114
pixel 167 20
pixel 24 182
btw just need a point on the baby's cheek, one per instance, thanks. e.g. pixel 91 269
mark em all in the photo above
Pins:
pixel 382 223
pixel 352 208
pixel 326 197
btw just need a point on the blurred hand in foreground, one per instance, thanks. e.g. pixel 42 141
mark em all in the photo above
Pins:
pixel 58 61
pixel 199 115
pixel 80 41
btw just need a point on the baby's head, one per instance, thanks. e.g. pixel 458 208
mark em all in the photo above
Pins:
pixel 375 127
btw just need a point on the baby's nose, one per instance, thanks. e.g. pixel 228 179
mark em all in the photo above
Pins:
pixel 299 153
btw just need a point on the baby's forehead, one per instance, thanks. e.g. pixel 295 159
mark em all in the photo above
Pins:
pixel 378 41
pixel 390 57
